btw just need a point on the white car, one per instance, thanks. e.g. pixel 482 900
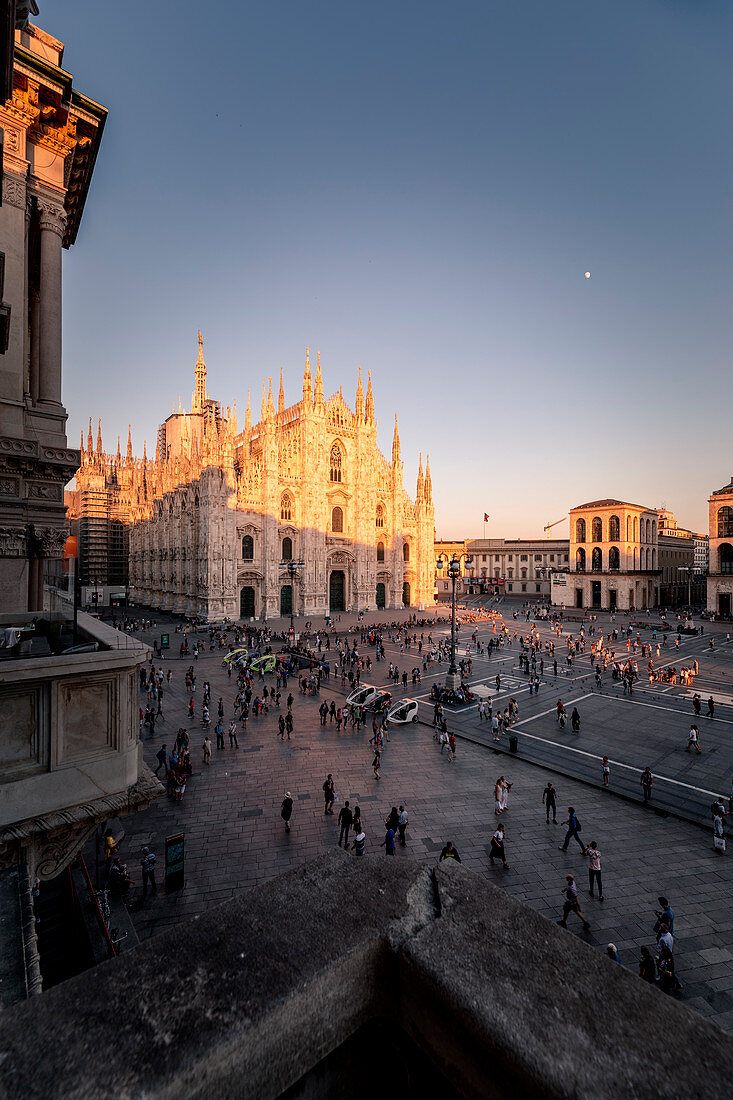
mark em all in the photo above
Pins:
pixel 362 696
pixel 405 710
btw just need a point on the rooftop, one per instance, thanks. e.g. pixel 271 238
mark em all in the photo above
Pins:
pixel 610 503
pixel 727 489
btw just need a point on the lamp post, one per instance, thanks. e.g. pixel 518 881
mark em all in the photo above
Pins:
pixel 291 568
pixel 453 678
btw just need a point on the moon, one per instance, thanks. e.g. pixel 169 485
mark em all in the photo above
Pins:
pixel 587 274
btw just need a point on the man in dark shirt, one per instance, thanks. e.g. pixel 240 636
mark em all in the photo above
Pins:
pixel 329 794
pixel 388 843
pixel 345 820
pixel 449 852
pixel 548 800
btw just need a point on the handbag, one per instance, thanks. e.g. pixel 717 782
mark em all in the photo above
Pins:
pixel 719 842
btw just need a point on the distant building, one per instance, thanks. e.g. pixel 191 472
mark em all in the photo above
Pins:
pixel 720 573
pixel 614 558
pixel 682 579
pixel 511 567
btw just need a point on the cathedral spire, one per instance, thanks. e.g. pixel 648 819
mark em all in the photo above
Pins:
pixel 420 482
pixel 99 438
pixel 81 448
pixel 428 483
pixel 307 382
pixel 129 443
pixel 359 400
pixel 369 411
pixel 199 400
pixel 318 387
pixel 270 402
pixel 281 395
pixel 395 443
pixel 263 406
pixel 247 415
pixel 157 448
pixel 119 452
pixel 90 441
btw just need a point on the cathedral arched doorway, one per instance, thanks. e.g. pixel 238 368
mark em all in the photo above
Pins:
pixel 336 593
pixel 381 596
pixel 247 602
pixel 286 599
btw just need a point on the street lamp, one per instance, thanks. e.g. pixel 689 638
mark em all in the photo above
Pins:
pixel 291 568
pixel 453 678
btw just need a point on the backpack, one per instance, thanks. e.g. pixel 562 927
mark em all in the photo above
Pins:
pixel 578 826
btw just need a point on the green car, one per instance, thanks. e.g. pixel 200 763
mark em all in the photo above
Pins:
pixel 264 664
pixel 234 657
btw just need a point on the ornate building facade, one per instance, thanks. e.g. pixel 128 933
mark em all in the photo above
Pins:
pixel 300 510
pixel 720 575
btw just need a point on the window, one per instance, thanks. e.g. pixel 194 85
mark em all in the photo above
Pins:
pixel 406 552
pixel 497 573
pixel 524 557
pixel 380 516
pixel 510 587
pixel 524 588
pixel 538 557
pixel 614 529
pixel 496 557
pixel 580 560
pixel 726 557
pixel 380 551
pixel 248 548
pixel 511 557
pixel 580 531
pixel 567 557
pixel 725 523
pixel 524 575
pixel 597 560
pixel 286 507
pixel 614 559
pixel 552 557
pixel 483 557
pixel 287 549
pixel 538 588
pixel 336 459
pixel 597 528
pixel 337 520
pixel 511 574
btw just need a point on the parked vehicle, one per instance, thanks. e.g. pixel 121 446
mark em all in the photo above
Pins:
pixel 403 711
pixel 362 696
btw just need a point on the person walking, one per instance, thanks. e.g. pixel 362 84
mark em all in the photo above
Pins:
pixel 647 970
pixel 147 866
pixel 573 830
pixel 402 822
pixel 207 750
pixel 647 781
pixel 289 723
pixel 162 757
pixel 693 739
pixel 497 847
pixel 359 842
pixel 594 869
pixel 286 810
pixel 329 794
pixel 376 762
pixel 572 904
pixel 550 803
pixel 388 842
pixel 345 820
pixel 281 727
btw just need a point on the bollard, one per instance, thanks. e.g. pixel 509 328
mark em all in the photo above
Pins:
pixel 513 743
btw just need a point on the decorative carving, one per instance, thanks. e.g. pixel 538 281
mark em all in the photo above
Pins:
pixel 12 542
pixel 51 540
pixel 42 490
pixel 14 192
pixel 52 217
pixel 9 486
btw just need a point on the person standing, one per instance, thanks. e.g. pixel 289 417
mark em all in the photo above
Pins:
pixel 497 847
pixel 606 771
pixel 289 723
pixel 549 802
pixel 147 866
pixel 329 794
pixel 711 707
pixel 402 822
pixel 573 831
pixel 286 810
pixel 664 915
pixel 572 904
pixel 219 728
pixel 207 749
pixel 359 842
pixel 162 757
pixel 647 781
pixel 594 869
pixel 647 969
pixel 345 820
pixel 388 842
pixel 233 742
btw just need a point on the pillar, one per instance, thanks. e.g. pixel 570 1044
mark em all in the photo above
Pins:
pixel 53 223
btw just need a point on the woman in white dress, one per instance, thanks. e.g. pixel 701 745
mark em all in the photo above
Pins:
pixel 498 795
pixel 505 795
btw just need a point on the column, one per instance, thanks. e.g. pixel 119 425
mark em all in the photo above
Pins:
pixel 53 223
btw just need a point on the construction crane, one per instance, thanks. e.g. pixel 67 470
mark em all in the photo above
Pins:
pixel 550 525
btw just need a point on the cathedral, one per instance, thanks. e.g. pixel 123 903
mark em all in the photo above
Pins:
pixel 299 513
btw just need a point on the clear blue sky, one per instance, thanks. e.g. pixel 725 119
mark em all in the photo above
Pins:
pixel 419 189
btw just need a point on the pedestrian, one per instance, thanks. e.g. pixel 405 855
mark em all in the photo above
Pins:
pixel 449 852
pixel 613 953
pixel 286 810
pixel 719 834
pixel 647 969
pixel 356 825
pixel 345 820
pixel 359 842
pixel 647 781
pixel 207 749
pixel 402 822
pixel 329 794
pixel 289 724
pixel 573 830
pixel 147 866
pixel 233 742
pixel 575 721
pixel 452 748
pixel 572 904
pixel 606 772
pixel 664 915
pixel 375 763
pixel 549 802
pixel 711 707
pixel 594 869
pixel 219 729
pixel 388 842
pixel 693 739
pixel 497 847
pixel 162 757
pixel 281 727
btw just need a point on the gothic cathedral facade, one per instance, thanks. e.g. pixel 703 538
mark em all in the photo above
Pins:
pixel 300 512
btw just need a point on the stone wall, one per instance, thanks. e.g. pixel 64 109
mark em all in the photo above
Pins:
pixel 281 990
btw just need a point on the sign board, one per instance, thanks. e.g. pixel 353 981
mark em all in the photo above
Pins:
pixel 174 857
pixel 560 579
pixel 165 641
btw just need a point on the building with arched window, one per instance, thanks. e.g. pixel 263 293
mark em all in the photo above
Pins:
pixel 608 571
pixel 720 542
pixel 214 517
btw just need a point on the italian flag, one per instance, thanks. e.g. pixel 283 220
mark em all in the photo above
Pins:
pixel 486 517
